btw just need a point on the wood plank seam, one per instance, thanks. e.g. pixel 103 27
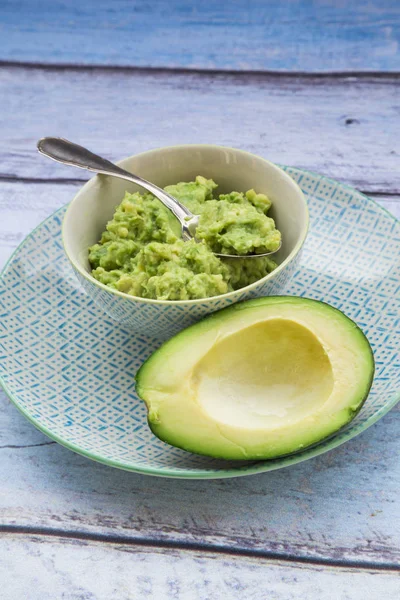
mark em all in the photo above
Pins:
pixel 55 180
pixel 21 447
pixel 198 547
pixel 196 71
pixel 61 181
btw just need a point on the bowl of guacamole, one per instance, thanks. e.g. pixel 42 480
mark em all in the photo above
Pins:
pixel 141 252
pixel 126 247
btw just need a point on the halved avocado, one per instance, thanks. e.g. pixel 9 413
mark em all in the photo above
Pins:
pixel 258 380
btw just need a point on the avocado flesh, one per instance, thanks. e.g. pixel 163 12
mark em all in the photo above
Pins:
pixel 258 380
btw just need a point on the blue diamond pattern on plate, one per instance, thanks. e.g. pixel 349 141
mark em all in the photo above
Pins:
pixel 70 368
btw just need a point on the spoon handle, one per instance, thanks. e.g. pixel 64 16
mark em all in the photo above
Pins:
pixel 69 153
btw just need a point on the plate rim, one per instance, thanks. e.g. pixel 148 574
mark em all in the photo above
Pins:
pixel 242 470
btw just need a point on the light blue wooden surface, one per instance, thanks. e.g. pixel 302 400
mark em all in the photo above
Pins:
pixel 294 35
pixel 346 128
pixel 328 528
pixel 89 570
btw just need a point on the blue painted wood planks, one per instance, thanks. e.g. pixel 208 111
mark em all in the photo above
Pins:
pixel 294 35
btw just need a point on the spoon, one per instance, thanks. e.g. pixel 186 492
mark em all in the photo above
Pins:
pixel 68 153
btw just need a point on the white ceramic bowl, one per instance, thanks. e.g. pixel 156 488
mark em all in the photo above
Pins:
pixel 232 169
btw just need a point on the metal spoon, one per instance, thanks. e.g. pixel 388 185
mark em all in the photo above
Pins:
pixel 69 153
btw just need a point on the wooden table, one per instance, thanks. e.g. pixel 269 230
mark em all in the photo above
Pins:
pixel 306 84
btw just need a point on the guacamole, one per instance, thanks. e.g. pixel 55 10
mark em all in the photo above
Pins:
pixel 142 254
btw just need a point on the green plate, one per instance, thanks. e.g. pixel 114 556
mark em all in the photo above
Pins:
pixel 70 369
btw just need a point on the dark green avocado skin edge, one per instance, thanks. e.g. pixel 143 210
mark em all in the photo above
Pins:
pixel 244 305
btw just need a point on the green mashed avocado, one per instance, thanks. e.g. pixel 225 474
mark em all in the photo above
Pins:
pixel 142 254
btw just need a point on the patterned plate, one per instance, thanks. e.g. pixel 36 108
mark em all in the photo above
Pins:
pixel 69 368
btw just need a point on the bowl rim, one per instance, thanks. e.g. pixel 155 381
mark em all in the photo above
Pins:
pixel 295 251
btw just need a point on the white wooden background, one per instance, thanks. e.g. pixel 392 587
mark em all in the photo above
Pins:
pixel 70 528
